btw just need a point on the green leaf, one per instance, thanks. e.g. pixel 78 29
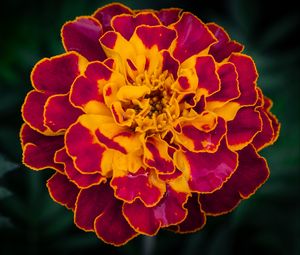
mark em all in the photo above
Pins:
pixel 6 166
pixel 4 192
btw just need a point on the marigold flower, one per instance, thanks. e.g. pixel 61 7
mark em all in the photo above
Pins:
pixel 151 119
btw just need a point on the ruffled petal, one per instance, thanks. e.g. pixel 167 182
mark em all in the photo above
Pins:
pixel 224 46
pixel 229 87
pixel 198 140
pixel 241 131
pixel 266 136
pixel 55 75
pixel 149 36
pixel 193 37
pixel 62 190
pixel 247 78
pixel 39 150
pixel 105 14
pixel 251 173
pixel 195 219
pixel 59 114
pixel 126 24
pixel 206 172
pixel 156 155
pixel 97 210
pixel 82 181
pixel 168 16
pixel 143 185
pixel 33 110
pixel 83 147
pixel 82 35
pixel 148 220
pixel 87 90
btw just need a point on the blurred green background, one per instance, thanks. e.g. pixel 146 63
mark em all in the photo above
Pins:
pixel 268 223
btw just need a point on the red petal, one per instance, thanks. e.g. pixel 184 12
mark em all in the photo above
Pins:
pixel 39 150
pixel 87 154
pixel 193 37
pixel 195 219
pixel 33 110
pixel 241 131
pixel 224 47
pixel 160 36
pixel 170 64
pixel 83 181
pixel 112 227
pixel 126 24
pixel 204 141
pixel 229 84
pixel 97 209
pixel 207 75
pixel 86 88
pixel 168 16
pixel 106 13
pixel 82 35
pixel 138 185
pixel 247 77
pixel 62 190
pixel 59 113
pixel 208 171
pixel 156 155
pixel 266 136
pixel 56 75
pixel 148 220
pixel 251 173
pixel 90 204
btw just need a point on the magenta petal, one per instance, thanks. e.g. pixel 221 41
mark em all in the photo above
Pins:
pixel 148 220
pixel 80 145
pixel 33 110
pixel 56 75
pixel 193 36
pixel 59 113
pixel 82 35
pixel 224 47
pixel 90 204
pixel 247 78
pixel 83 181
pixel 62 190
pixel 251 173
pixel 160 36
pixel 126 24
pixel 210 170
pixel 39 150
pixel 106 13
pixel 169 16
pixel 195 219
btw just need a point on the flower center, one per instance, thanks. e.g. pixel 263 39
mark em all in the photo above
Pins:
pixel 155 110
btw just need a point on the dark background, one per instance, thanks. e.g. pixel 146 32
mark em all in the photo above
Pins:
pixel 268 223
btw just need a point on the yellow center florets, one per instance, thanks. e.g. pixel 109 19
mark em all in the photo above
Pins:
pixel 156 109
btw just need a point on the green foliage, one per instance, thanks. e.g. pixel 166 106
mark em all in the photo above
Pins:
pixel 268 223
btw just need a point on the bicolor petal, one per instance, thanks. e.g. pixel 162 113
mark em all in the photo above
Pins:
pixel 82 35
pixel 241 131
pixel 206 172
pixel 148 220
pixel 55 75
pixel 81 180
pixel 39 150
pixel 142 184
pixel 224 46
pixel 62 190
pixel 193 37
pixel 251 173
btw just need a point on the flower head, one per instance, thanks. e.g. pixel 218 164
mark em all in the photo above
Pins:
pixel 151 119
